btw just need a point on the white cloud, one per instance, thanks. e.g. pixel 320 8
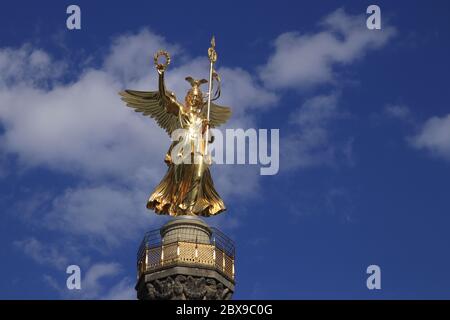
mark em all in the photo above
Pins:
pixel 27 65
pixel 130 57
pixel 100 281
pixel 310 59
pixel 96 278
pixel 108 214
pixel 303 60
pixel 91 285
pixel 42 254
pixel 434 136
pixel 240 89
pixel 94 283
pixel 80 128
pixel 123 290
pixel 400 112
pixel 312 144
pixel 317 111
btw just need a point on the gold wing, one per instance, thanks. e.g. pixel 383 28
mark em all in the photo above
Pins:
pixel 218 114
pixel 163 108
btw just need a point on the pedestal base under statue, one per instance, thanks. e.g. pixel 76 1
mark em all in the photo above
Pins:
pixel 185 260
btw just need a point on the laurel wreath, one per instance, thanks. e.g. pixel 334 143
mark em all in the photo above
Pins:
pixel 164 65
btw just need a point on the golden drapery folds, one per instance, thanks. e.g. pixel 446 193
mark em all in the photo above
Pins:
pixel 183 191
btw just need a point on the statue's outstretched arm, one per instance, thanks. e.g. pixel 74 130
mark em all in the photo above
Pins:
pixel 171 103
pixel 161 84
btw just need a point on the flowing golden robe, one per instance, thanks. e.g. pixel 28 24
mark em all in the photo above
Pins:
pixel 187 188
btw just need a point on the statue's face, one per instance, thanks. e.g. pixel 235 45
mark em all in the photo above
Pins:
pixel 194 99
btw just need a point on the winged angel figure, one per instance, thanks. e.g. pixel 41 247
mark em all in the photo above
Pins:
pixel 187 188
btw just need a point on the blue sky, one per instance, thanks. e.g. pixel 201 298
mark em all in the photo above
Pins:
pixel 364 144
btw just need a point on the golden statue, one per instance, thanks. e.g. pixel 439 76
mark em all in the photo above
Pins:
pixel 187 188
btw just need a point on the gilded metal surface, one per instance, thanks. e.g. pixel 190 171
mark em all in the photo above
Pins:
pixel 186 189
pixel 161 66
pixel 187 253
pixel 212 55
